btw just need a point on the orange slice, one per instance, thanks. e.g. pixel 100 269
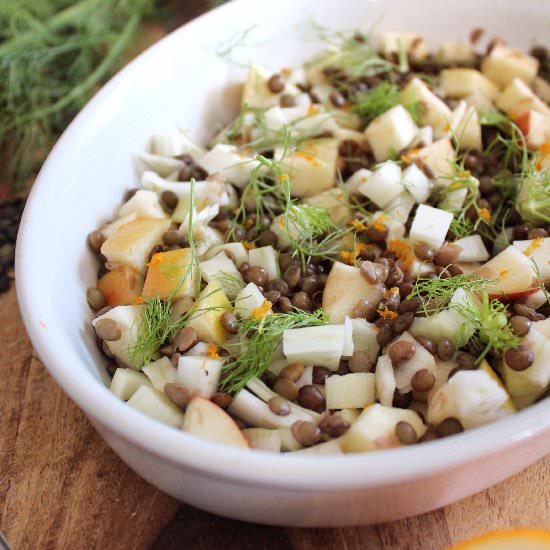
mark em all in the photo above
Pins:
pixel 508 539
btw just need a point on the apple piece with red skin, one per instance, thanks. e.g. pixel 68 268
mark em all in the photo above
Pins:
pixel 208 421
pixel 535 127
pixel 511 273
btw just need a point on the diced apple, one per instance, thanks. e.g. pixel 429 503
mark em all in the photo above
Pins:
pixel 480 102
pixel 285 231
pixel 131 243
pixel 339 116
pixel 156 404
pixel 535 127
pixel 143 203
pixel 175 143
pixel 319 345
pixel 508 404
pixel 422 359
pixel 414 45
pixel 344 288
pixel 236 251
pixel 416 183
pixel 288 441
pixel 390 132
pixel 383 185
pixel 424 136
pixel 348 349
pixel 248 299
pixel 222 270
pixel 466 127
pixel 208 421
pixel 472 397
pixel 128 320
pixel 211 304
pixel 434 113
pixel 256 412
pixel 503 64
pixel 162 165
pixel 543 327
pixel 430 226
pixel 456 52
pixel 266 257
pixel 171 274
pixel 517 98
pixel 121 286
pixel 263 439
pixel 437 158
pixel 231 163
pixel 109 229
pixel 199 375
pixel 312 168
pixel 536 300
pixel 335 202
pixel 375 429
pixel 400 208
pixel 538 251
pixel 126 382
pixel 350 391
pixel 453 200
pixel 512 272
pixel 364 337
pixel 160 373
pixel 473 249
pixel 459 83
pixel 357 179
pixel 256 91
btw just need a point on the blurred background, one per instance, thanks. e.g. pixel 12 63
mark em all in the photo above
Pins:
pixel 54 55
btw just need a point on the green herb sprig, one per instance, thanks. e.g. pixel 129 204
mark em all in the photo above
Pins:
pixel 264 336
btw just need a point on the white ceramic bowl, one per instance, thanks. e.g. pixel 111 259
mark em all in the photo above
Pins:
pixel 182 82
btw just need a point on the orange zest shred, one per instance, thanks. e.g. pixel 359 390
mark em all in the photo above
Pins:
pixel 262 311
pixel 406 158
pixel 484 214
pixel 212 351
pixel 347 257
pixel 248 246
pixel 155 260
pixel 312 109
pixel 282 222
pixel 403 251
pixel 502 273
pixel 358 226
pixel 139 300
pixel 283 177
pixel 386 313
pixel 391 292
pixel 379 224
pixel 309 156
pixel 535 243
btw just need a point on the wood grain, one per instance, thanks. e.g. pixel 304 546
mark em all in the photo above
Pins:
pixel 62 487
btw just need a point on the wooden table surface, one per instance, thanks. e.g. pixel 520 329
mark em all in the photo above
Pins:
pixel 62 487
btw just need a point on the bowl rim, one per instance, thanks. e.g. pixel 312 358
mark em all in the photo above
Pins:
pixel 259 468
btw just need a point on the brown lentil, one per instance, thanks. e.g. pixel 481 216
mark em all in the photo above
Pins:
pixel 95 298
pixel 292 275
pixel 403 322
pixel 306 433
pixel 311 284
pixel 519 359
pixel 95 240
pixel 528 312
pixel 405 433
pixel 279 406
pixel 178 394
pixel 395 276
pixel 320 374
pixel 229 322
pixel 286 388
pixel 430 435
pixel 302 301
pixel 185 339
pixel 401 351
pixel 360 362
pixel 377 233
pixel 334 425
pixel 364 309
pixel 465 361
pixel 423 380
pixel 279 285
pixel 391 299
pixel 384 335
pixel 173 237
pixel 285 260
pixel 521 231
pixel 108 330
pixel 405 288
pixel 402 400
pixel 169 200
pixel 292 372
pixel 445 349
pixel 286 100
pixel 175 358
pixel 276 83
pixel 427 344
pixel 520 325
pixel 272 296
pixel 337 99
pixel 410 305
pixel 310 397
pixel 373 272
pixel 267 238
pixel 222 399
pixel 285 305
pixel 537 233
pixel 423 252
pixel 447 254
pixel 256 274
pixel 449 426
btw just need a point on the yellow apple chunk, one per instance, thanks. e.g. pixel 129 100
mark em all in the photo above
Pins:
pixel 121 286
pixel 206 320
pixel 131 243
pixel 171 274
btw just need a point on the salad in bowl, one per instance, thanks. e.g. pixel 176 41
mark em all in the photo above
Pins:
pixel 357 262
